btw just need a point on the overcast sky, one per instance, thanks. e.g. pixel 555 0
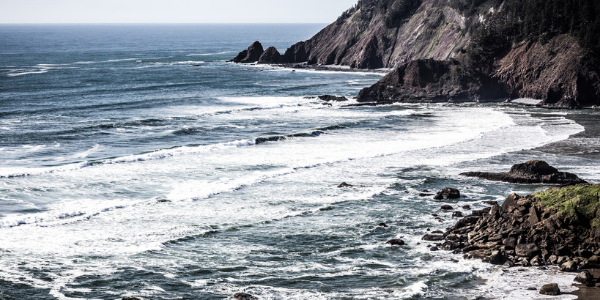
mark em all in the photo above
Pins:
pixel 172 11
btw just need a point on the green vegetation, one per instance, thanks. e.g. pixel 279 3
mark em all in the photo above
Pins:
pixel 583 200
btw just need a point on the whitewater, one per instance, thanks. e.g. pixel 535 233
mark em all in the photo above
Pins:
pixel 136 161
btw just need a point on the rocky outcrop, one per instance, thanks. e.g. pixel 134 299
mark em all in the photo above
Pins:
pixel 534 171
pixel 555 72
pixel 433 81
pixel 270 56
pixel 558 226
pixel 250 55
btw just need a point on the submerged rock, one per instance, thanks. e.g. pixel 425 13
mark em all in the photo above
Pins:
pixel 244 296
pixel 344 184
pixel 332 98
pixel 447 193
pixel 395 242
pixel 535 171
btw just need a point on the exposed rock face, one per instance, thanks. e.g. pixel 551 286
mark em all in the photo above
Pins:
pixel 534 230
pixel 555 72
pixel 433 81
pixel 270 56
pixel 250 55
pixel 534 171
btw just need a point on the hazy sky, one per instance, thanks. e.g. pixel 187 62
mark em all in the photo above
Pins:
pixel 172 11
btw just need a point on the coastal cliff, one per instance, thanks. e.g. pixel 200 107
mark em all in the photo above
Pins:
pixel 486 50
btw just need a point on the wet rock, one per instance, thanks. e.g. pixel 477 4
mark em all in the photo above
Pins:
pixel 383 225
pixel 457 214
pixel 332 98
pixel 569 266
pixel 467 207
pixel 447 207
pixel 250 55
pixel 527 250
pixel 345 185
pixel 447 193
pixel 594 261
pixel 585 277
pixel 490 202
pixel 550 289
pixel 425 195
pixel 534 171
pixel 244 296
pixel 395 242
pixel 433 237
pixel 434 248
pixel 130 298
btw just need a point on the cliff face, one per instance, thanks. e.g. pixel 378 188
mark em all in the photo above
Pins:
pixel 384 34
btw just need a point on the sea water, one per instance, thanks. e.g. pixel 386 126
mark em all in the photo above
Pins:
pixel 136 161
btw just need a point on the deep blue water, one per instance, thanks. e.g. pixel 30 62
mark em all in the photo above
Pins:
pixel 129 166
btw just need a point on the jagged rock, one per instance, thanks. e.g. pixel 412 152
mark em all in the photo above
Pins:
pixel 250 55
pixel 345 185
pixel 550 289
pixel 585 277
pixel 395 242
pixel 270 56
pixel 244 296
pixel 534 171
pixel 332 98
pixel 447 193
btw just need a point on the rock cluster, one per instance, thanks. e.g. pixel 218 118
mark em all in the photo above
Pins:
pixel 535 171
pixel 537 229
pixel 256 54
pixel 447 193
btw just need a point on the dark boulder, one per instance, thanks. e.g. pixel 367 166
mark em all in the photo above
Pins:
pixel 447 193
pixel 345 185
pixel 332 98
pixel 527 250
pixel 270 56
pixel 395 242
pixel 447 207
pixel 244 296
pixel 534 171
pixel 251 55
pixel 383 225
pixel 457 214
pixel 550 289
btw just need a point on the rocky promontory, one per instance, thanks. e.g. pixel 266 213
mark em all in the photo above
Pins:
pixel 459 50
pixel 558 226
pixel 535 171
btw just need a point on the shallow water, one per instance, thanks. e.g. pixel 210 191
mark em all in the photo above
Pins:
pixel 130 166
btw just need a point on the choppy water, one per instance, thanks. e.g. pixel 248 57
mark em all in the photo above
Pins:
pixel 130 166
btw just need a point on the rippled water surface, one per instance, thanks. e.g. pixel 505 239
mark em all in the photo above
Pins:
pixel 135 161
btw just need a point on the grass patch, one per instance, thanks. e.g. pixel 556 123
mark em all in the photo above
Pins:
pixel 581 199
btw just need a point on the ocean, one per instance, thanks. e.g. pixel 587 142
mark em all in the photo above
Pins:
pixel 135 161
